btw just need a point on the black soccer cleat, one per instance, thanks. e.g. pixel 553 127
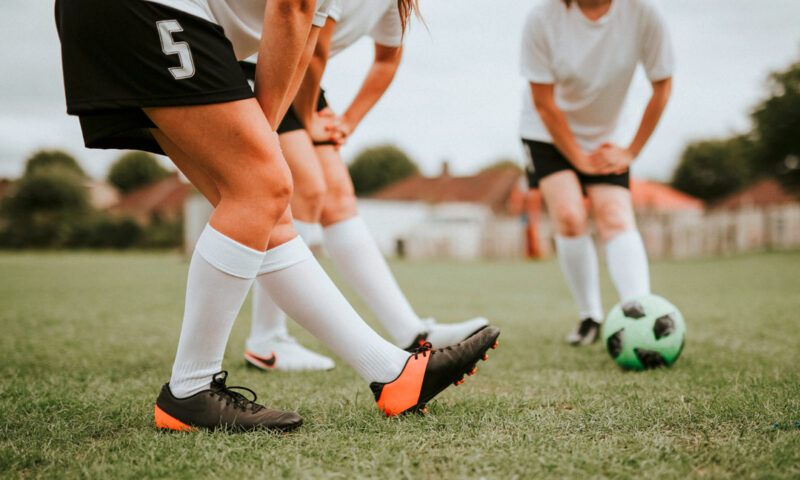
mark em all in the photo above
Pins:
pixel 427 372
pixel 586 333
pixel 219 407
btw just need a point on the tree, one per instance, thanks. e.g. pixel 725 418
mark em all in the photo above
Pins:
pixel 135 169
pixel 43 208
pixel 777 129
pixel 45 159
pixel 377 167
pixel 711 169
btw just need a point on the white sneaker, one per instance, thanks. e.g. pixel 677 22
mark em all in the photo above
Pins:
pixel 442 335
pixel 282 352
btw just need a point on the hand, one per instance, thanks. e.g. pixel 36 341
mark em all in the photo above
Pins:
pixel 341 129
pixel 610 159
pixel 322 128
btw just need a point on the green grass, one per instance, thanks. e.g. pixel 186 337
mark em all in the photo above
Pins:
pixel 88 339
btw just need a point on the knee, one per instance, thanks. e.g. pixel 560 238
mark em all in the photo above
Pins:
pixel 309 196
pixel 340 204
pixel 613 219
pixel 264 187
pixel 571 220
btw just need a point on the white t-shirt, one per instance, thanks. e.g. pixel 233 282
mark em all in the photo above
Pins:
pixel 242 20
pixel 379 19
pixel 590 63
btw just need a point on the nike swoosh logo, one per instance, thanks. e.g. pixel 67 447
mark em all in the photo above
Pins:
pixel 268 362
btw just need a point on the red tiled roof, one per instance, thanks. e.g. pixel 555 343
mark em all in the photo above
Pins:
pixel 767 192
pixel 164 198
pixel 490 187
pixel 649 195
pixel 496 188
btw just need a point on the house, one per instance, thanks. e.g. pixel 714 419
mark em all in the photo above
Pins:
pixel 494 214
pixel 446 216
pixel 764 215
pixel 163 200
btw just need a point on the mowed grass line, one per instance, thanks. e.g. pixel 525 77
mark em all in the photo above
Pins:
pixel 87 340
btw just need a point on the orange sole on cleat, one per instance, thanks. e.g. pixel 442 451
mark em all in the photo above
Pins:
pixel 494 346
pixel 167 422
pixel 485 357
pixel 459 382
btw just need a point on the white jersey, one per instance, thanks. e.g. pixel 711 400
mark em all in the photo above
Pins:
pixel 242 20
pixel 379 19
pixel 590 63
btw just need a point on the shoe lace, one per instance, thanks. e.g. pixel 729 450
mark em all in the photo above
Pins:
pixel 230 397
pixel 426 349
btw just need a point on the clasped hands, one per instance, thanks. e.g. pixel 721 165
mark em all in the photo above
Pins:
pixel 327 127
pixel 606 159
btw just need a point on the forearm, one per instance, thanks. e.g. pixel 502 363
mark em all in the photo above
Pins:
pixel 305 104
pixel 556 123
pixel 652 115
pixel 300 73
pixel 287 24
pixel 378 79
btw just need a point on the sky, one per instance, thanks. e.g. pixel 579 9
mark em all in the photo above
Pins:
pixel 457 94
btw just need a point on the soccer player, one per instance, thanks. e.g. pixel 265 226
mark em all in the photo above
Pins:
pixel 163 76
pixel 323 194
pixel 579 57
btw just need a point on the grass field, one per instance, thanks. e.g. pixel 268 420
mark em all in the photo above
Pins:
pixel 88 339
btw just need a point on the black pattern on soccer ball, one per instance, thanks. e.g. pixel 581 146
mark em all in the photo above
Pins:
pixel 614 343
pixel 649 358
pixel 633 309
pixel 664 326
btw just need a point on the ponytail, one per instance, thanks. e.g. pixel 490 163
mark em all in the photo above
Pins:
pixel 407 8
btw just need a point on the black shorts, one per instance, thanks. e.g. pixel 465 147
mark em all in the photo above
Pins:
pixel 115 64
pixel 291 121
pixel 544 159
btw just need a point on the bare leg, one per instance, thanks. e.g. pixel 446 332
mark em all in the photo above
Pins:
pixel 625 253
pixel 576 253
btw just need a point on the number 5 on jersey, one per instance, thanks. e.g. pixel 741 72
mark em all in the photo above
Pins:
pixel 170 47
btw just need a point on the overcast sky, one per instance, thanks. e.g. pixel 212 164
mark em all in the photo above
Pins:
pixel 457 94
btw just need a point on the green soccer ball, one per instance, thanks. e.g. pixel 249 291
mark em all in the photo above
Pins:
pixel 644 332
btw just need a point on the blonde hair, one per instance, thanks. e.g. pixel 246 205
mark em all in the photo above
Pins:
pixel 407 8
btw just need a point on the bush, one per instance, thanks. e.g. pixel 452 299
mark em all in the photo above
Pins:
pixel 711 169
pixel 162 234
pixel 43 208
pixel 377 167
pixel 135 169
pixel 103 231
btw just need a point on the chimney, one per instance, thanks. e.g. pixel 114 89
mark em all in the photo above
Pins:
pixel 445 169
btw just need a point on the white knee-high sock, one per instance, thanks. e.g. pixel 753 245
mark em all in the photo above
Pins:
pixel 300 287
pixel 311 233
pixel 268 320
pixel 220 274
pixel 627 264
pixel 578 260
pixel 358 259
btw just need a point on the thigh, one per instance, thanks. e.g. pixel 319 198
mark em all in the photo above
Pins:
pixel 337 177
pixel 612 208
pixel 192 170
pixel 340 199
pixel 562 191
pixel 229 141
pixel 301 156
